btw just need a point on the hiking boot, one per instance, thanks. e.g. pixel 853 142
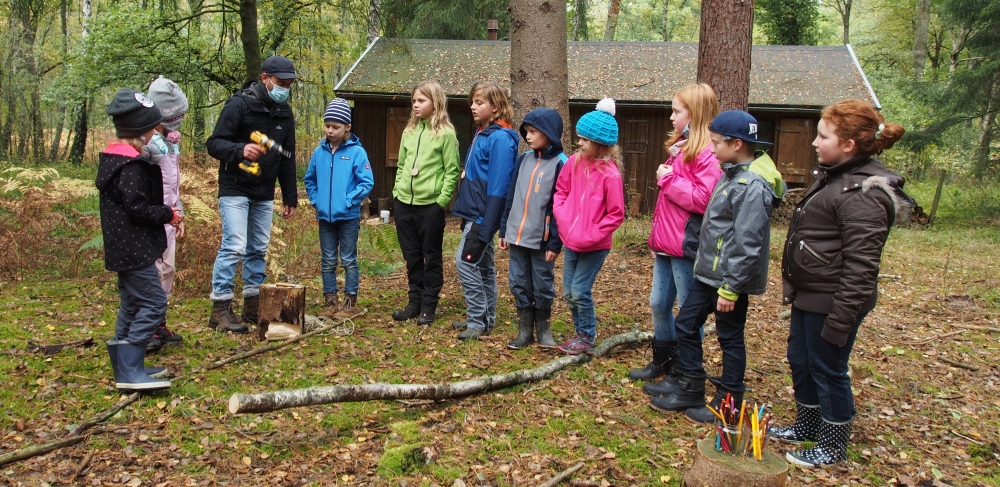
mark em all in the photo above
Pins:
pixel 251 304
pixel 165 335
pixel 223 319
pixel 412 310
pixel 831 447
pixel 471 334
pixel 690 393
pixel 426 317
pixel 459 325
pixel 525 329
pixel 577 345
pixel 154 345
pixel 664 352
pixel 330 307
pixel 665 387
pixel 543 328
pixel 806 427
pixel 347 307
pixel 704 415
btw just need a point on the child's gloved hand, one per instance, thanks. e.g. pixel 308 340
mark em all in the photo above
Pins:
pixel 473 249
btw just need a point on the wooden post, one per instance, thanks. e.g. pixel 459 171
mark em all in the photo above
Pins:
pixel 937 197
pixel 281 303
pixel 719 469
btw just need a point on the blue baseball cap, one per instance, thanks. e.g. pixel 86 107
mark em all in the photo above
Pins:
pixel 737 124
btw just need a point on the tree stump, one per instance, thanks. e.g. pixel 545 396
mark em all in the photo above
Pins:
pixel 281 303
pixel 718 469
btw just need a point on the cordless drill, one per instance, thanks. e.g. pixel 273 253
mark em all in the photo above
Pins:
pixel 267 144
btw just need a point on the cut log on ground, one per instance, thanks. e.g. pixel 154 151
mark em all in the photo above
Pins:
pixel 718 469
pixel 312 396
pixel 281 303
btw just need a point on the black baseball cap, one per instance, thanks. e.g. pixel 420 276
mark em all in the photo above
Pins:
pixel 280 67
pixel 737 124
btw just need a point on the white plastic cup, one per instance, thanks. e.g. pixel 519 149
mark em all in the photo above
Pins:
pixel 385 216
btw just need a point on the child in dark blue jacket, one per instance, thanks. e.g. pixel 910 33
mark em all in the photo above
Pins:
pixel 529 230
pixel 481 200
pixel 338 180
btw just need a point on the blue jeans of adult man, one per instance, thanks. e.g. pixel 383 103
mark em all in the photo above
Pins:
pixel 819 368
pixel 579 273
pixel 479 285
pixel 339 238
pixel 246 233
pixel 531 278
pixel 672 279
pixel 143 305
pixel 701 301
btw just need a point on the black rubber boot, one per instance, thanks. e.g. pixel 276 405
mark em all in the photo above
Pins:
pixel 412 310
pixel 223 319
pixel 703 415
pixel 664 352
pixel 543 328
pixel 831 447
pixel 806 427
pixel 251 304
pixel 525 329
pixel 132 373
pixel 690 393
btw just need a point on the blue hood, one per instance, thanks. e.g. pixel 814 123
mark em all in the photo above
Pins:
pixel 549 123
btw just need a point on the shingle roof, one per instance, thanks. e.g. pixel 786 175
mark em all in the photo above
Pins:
pixel 780 76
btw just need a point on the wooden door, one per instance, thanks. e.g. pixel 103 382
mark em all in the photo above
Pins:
pixel 795 154
pixel 396 118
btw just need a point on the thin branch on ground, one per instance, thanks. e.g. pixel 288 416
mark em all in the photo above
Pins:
pixel 562 475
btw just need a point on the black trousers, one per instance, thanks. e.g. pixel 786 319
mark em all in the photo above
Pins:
pixel 700 302
pixel 420 230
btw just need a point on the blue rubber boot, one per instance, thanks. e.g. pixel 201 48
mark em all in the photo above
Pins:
pixel 132 374
pixel 155 372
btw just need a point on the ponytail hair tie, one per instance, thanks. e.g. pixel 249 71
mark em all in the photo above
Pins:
pixel 878 133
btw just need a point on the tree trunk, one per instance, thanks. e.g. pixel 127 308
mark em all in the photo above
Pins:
pixel 985 137
pixel 614 8
pixel 920 33
pixel 664 18
pixel 581 31
pixel 312 396
pixel 281 303
pixel 715 468
pixel 724 50
pixel 539 76
pixel 57 137
pixel 843 7
pixel 61 107
pixel 250 38
pixel 958 37
pixel 80 128
pixel 374 19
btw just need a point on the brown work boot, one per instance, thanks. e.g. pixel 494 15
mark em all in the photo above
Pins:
pixel 223 319
pixel 347 307
pixel 251 304
pixel 330 307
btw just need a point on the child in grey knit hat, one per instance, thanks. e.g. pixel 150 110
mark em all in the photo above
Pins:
pixel 164 151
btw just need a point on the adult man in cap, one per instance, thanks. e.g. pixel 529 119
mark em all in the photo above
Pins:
pixel 246 198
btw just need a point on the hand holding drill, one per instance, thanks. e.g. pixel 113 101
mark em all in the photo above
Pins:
pixel 252 151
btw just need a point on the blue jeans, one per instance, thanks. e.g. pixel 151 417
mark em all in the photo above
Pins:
pixel 819 368
pixel 143 305
pixel 246 233
pixel 672 279
pixel 701 301
pixel 339 237
pixel 531 278
pixel 479 285
pixel 579 273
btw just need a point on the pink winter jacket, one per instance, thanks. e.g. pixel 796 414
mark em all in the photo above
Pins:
pixel 589 204
pixel 684 194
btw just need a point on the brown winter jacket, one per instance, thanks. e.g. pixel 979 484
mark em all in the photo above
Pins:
pixel 835 239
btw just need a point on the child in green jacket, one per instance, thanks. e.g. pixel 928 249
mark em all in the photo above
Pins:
pixel 425 180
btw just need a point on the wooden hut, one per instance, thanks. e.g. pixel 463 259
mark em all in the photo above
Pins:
pixel 789 85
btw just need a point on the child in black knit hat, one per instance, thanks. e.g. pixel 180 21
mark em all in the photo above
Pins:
pixel 132 219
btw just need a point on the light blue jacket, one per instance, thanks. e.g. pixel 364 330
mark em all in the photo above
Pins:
pixel 337 182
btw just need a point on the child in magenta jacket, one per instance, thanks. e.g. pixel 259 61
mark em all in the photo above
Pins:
pixel 686 181
pixel 589 206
